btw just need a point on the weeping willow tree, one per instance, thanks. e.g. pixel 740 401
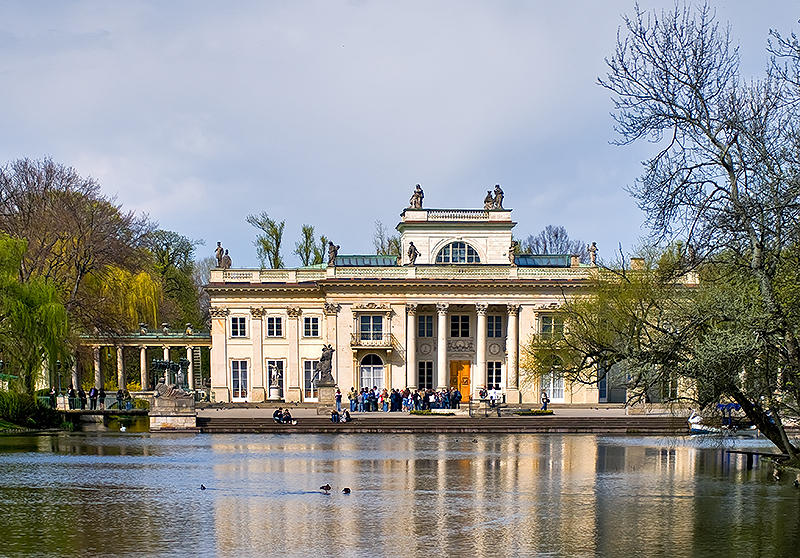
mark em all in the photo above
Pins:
pixel 131 296
pixel 34 328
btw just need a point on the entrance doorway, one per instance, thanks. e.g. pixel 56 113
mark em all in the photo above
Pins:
pixel 460 378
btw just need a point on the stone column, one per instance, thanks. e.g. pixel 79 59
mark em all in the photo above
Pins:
pixel 120 369
pixel 512 349
pixel 166 352
pixel 219 355
pixel 98 377
pixel 257 391
pixel 293 375
pixel 441 346
pixel 411 346
pixel 190 370
pixel 331 311
pixel 143 367
pixel 479 378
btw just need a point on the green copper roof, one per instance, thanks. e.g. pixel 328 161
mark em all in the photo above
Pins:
pixel 366 261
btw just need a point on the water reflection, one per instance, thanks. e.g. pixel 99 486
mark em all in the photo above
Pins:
pixel 485 495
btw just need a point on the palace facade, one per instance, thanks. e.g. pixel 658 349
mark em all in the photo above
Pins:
pixel 455 310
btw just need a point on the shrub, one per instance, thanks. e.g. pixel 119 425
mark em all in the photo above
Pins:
pixel 24 410
pixel 534 412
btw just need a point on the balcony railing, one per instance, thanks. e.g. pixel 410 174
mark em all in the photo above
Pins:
pixel 371 340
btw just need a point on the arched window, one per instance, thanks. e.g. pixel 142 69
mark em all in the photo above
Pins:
pixel 371 371
pixel 458 252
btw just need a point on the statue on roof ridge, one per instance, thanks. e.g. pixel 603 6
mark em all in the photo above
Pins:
pixel 416 198
pixel 498 197
pixel 333 250
pixel 488 201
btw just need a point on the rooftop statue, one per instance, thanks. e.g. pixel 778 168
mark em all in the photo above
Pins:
pixel 512 252
pixel 333 250
pixel 416 198
pixel 488 201
pixel 219 253
pixel 592 249
pixel 498 197
pixel 412 253
pixel 226 261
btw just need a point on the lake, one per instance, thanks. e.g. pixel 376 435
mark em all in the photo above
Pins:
pixel 138 494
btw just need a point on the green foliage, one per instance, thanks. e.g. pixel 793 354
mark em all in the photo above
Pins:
pixel 534 412
pixel 428 413
pixel 308 249
pixel 24 410
pixel 268 242
pixel 33 321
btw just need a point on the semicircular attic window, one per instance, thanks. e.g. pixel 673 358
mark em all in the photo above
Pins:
pixel 457 253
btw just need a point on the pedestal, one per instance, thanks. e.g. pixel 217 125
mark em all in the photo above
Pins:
pixel 173 414
pixel 275 393
pixel 258 395
pixel 326 394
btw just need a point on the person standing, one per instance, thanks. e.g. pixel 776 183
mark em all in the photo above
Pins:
pixel 120 397
pixel 545 400
pixel 101 396
pixel 52 397
pixel 338 397
pixel 93 398
pixel 71 397
pixel 82 397
pixel 353 397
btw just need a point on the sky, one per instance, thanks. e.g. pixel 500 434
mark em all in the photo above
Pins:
pixel 328 113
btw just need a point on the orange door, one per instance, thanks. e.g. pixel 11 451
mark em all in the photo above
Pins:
pixel 459 377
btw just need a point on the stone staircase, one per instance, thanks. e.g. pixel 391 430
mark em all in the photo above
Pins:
pixel 401 423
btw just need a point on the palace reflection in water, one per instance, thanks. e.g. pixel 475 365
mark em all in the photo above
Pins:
pixel 483 494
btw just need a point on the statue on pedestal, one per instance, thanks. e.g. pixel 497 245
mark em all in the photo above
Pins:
pixel 226 261
pixel 219 253
pixel 488 201
pixel 512 252
pixel 325 365
pixel 333 250
pixel 416 198
pixel 412 253
pixel 498 197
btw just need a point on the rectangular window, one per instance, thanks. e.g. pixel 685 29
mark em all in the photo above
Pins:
pixel 238 327
pixel 311 327
pixel 552 327
pixel 425 374
pixel 370 328
pixel 494 374
pixel 459 326
pixel 309 369
pixel 424 326
pixel 274 326
pixel 239 379
pixel 275 373
pixel 494 325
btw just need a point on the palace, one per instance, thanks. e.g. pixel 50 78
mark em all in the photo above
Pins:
pixel 454 310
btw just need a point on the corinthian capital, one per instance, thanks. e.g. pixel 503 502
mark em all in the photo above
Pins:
pixel 441 307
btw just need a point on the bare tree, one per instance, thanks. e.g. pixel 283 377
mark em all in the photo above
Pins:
pixel 554 240
pixel 725 179
pixel 268 242
pixel 384 243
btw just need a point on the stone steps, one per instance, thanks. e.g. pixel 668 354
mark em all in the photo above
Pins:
pixel 410 424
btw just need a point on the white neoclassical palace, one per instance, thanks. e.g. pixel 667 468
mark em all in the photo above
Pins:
pixel 454 311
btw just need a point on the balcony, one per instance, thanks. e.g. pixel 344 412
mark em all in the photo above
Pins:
pixel 372 340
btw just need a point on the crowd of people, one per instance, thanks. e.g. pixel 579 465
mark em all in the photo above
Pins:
pixel 95 399
pixel 399 400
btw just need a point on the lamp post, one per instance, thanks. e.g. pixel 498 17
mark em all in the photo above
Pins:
pixel 58 371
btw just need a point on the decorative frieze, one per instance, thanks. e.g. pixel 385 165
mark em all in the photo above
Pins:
pixel 257 312
pixel 442 307
pixel 460 346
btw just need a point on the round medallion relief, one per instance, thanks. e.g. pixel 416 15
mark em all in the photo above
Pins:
pixel 425 349
pixel 495 349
